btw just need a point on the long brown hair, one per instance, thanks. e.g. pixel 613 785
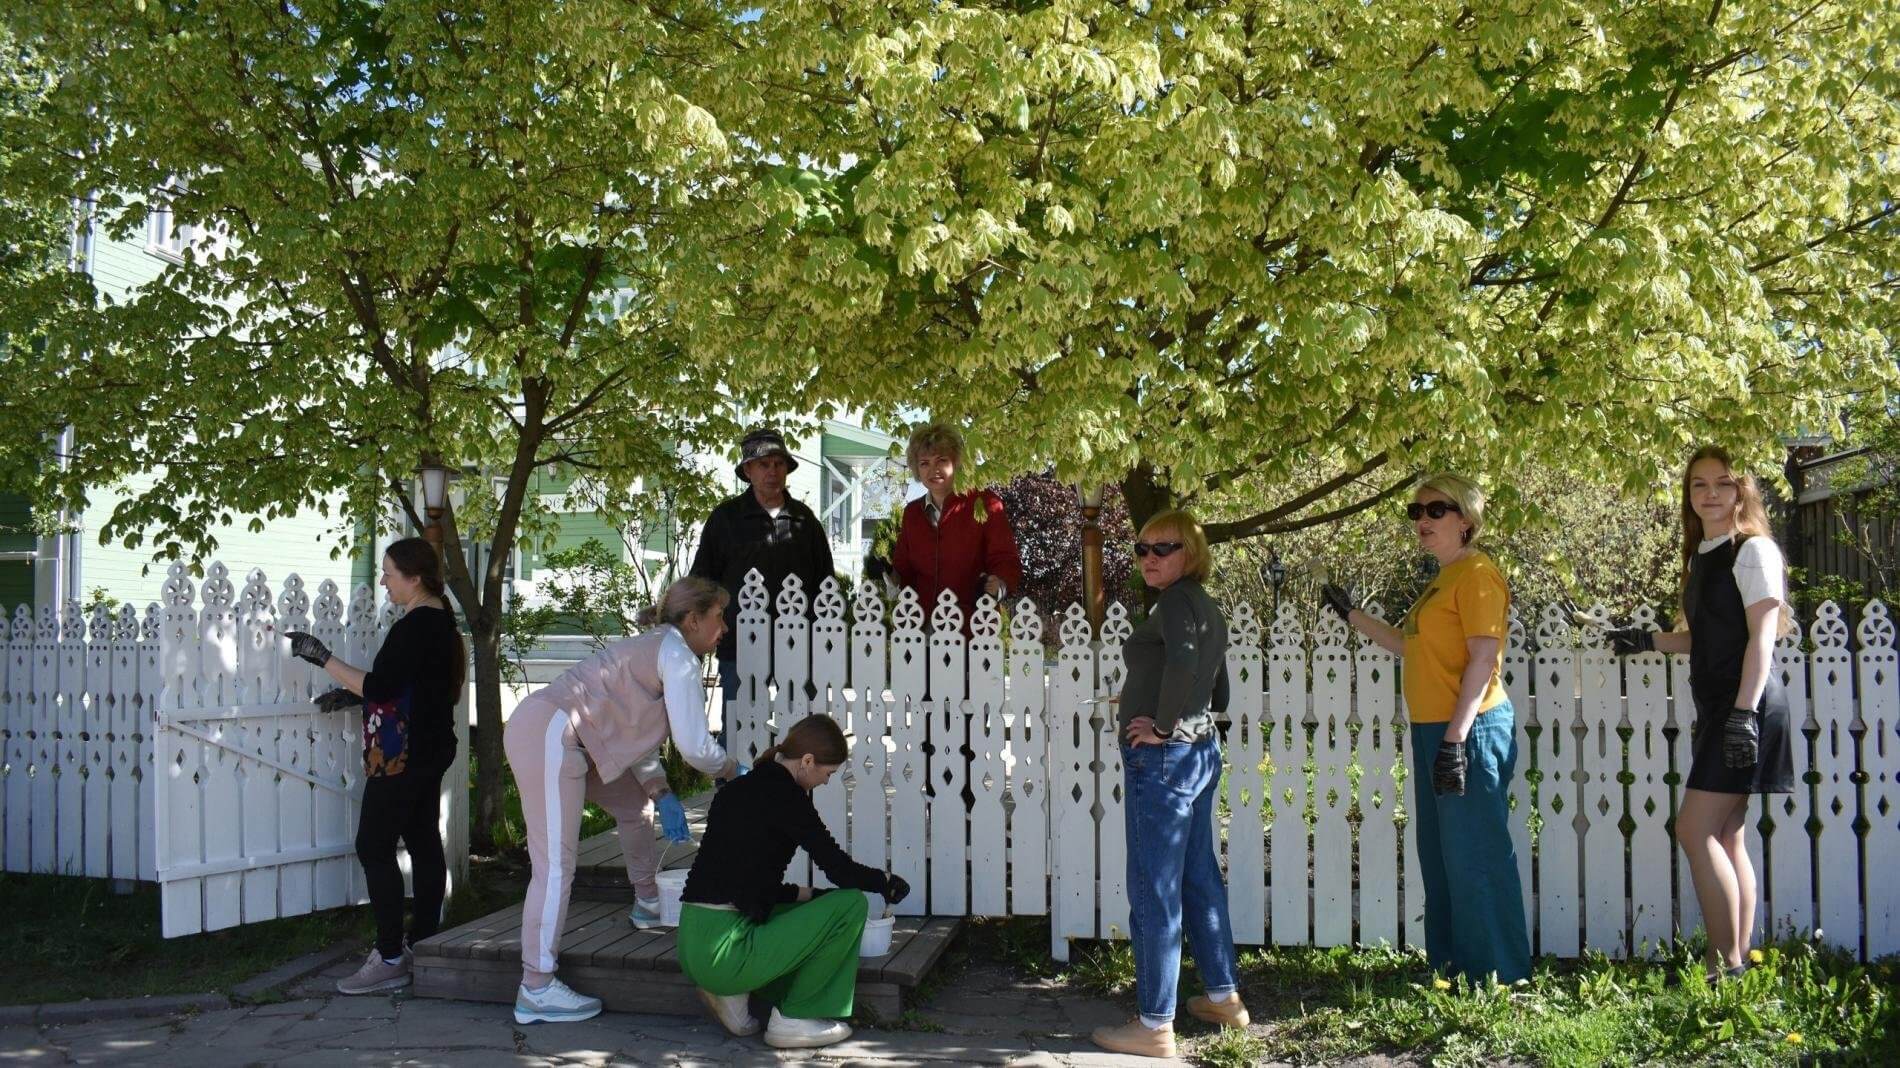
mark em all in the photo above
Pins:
pixel 417 559
pixel 1751 518
pixel 818 735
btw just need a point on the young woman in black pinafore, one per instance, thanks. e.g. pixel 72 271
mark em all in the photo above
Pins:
pixel 1734 604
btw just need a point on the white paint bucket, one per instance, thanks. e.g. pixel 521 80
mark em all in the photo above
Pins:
pixel 877 937
pixel 672 885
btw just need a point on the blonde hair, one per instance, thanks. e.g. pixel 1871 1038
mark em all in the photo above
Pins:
pixel 1464 493
pixel 1751 518
pixel 934 439
pixel 1200 560
pixel 685 597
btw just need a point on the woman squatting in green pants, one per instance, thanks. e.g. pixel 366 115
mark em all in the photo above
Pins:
pixel 743 929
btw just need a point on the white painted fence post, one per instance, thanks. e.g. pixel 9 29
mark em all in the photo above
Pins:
pixel 1376 705
pixel 1028 764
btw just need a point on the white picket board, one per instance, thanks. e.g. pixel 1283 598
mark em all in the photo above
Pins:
pixel 1560 757
pixel 1246 783
pixel 830 650
pixel 1286 749
pixel 1788 881
pixel 1605 906
pixel 1876 674
pixel 1332 785
pixel 96 745
pixel 749 731
pixel 45 705
pixel 870 837
pixel 832 800
pixel 909 809
pixel 16 706
pixel 1646 682
pixel 296 808
pixel 1376 705
pixel 989 842
pixel 948 674
pixel 1072 858
pixel 948 823
pixel 1027 760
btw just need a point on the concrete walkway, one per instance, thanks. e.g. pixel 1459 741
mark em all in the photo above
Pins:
pixel 987 1017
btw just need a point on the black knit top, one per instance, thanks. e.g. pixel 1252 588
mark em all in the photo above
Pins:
pixel 755 825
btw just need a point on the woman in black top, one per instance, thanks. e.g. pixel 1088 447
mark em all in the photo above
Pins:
pixel 1734 603
pixel 1175 689
pixel 742 928
pixel 408 698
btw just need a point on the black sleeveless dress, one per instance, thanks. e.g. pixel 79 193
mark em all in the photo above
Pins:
pixel 1718 639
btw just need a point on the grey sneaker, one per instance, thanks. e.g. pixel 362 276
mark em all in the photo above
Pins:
pixel 555 1003
pixel 645 914
pixel 377 976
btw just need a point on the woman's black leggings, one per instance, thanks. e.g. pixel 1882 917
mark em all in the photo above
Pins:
pixel 406 806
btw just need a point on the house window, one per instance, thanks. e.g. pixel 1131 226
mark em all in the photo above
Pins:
pixel 164 236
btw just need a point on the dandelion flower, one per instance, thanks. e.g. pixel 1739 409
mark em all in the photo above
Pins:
pixel 1794 1038
pixel 1754 956
pixel 1441 984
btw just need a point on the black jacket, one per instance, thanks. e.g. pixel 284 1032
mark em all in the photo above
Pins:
pixel 754 826
pixel 409 695
pixel 740 536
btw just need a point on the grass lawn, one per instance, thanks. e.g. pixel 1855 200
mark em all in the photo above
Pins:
pixel 1799 1004
pixel 71 938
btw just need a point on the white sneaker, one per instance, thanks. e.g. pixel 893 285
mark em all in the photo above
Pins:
pixel 555 1003
pixel 732 1011
pixel 786 1033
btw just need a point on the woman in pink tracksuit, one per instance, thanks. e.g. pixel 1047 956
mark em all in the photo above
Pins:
pixel 594 734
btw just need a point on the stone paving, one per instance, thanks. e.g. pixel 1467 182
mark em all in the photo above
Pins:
pixel 986 1016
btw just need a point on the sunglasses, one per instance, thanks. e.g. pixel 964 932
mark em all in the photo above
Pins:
pixel 1435 509
pixel 1161 549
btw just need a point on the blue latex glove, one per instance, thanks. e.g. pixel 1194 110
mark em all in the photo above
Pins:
pixel 742 768
pixel 673 819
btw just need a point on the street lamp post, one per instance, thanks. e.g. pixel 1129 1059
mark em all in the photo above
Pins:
pixel 1089 496
pixel 1276 576
pixel 435 492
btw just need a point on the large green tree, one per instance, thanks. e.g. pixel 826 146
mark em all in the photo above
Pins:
pixel 415 233
pixel 1201 249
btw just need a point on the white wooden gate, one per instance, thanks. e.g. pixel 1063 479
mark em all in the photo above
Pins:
pixel 182 747
pixel 1316 844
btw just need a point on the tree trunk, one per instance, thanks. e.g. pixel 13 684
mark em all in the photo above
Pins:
pixel 1144 496
pixel 489 761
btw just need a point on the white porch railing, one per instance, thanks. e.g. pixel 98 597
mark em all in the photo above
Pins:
pixel 1315 843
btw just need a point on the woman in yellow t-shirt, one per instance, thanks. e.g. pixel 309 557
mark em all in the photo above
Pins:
pixel 1464 738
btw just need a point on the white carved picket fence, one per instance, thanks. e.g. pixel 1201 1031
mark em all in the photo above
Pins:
pixel 181 746
pixel 1315 845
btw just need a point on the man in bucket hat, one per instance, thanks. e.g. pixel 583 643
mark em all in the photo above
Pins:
pixel 763 527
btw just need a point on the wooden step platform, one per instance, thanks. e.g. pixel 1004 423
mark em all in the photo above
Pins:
pixel 605 956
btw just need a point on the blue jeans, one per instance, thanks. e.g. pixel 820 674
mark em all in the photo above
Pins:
pixel 1174 878
pixel 1474 900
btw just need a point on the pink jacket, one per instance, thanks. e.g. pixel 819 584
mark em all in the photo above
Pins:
pixel 629 697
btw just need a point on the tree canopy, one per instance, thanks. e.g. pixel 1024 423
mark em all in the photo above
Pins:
pixel 408 235
pixel 1273 260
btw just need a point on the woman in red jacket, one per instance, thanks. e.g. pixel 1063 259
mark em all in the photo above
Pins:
pixel 961 542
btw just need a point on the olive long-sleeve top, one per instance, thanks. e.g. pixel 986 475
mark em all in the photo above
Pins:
pixel 1177 665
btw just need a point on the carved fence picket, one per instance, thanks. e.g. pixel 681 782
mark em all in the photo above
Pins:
pixel 1286 756
pixel 1333 728
pixel 1246 844
pixel 1376 705
pixel 1831 681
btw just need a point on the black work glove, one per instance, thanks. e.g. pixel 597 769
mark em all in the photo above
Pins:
pixel 339 698
pixel 895 889
pixel 1448 770
pixel 1337 599
pixel 305 646
pixel 1629 641
pixel 1741 739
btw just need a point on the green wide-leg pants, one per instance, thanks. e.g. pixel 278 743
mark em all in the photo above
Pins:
pixel 804 959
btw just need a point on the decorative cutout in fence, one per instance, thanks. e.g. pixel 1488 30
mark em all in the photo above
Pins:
pixel 1316 795
pixel 183 748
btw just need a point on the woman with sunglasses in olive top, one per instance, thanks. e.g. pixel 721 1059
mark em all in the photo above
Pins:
pixel 1464 738
pixel 1175 688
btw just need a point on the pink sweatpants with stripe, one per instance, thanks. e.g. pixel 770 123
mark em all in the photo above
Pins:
pixel 557 779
